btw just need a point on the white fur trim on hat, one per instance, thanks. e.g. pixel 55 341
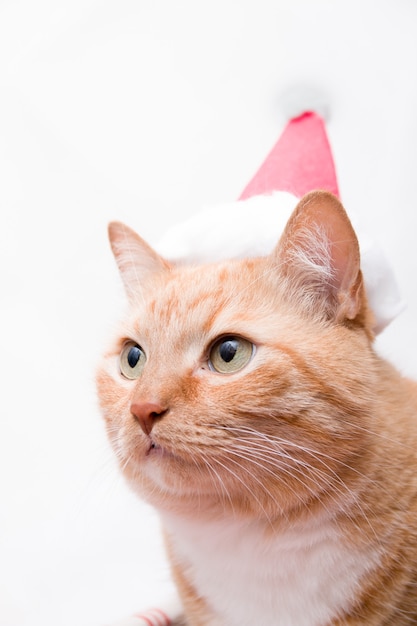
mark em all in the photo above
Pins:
pixel 252 227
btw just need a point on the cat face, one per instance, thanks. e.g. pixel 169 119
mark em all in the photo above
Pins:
pixel 243 385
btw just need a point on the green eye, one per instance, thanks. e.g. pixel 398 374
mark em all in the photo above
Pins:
pixel 132 360
pixel 230 354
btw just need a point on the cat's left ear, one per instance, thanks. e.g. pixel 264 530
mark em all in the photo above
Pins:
pixel 137 261
pixel 319 254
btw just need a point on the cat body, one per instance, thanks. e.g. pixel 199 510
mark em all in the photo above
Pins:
pixel 245 401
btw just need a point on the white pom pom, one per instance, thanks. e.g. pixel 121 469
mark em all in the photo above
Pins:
pixel 299 98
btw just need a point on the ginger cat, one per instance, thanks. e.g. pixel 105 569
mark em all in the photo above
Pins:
pixel 245 401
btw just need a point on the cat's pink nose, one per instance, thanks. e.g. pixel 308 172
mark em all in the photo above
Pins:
pixel 146 413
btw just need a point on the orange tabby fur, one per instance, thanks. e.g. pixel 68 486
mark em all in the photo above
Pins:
pixel 315 431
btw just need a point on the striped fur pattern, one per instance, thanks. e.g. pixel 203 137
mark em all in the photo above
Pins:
pixel 287 487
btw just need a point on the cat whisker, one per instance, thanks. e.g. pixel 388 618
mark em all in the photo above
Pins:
pixel 380 436
pixel 262 460
pixel 316 454
pixel 259 461
pixel 335 492
pixel 217 479
pixel 241 481
pixel 329 479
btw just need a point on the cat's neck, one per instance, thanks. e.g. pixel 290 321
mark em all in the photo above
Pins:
pixel 295 569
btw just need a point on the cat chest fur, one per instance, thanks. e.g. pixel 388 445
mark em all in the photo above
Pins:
pixel 303 576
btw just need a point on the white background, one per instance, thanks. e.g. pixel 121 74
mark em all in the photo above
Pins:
pixel 143 111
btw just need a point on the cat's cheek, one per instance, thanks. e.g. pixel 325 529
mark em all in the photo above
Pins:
pixel 129 444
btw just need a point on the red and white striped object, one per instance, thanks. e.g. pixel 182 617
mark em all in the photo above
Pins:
pixel 167 616
pixel 152 617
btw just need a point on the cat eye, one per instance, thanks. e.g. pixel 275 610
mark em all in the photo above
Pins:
pixel 230 354
pixel 132 360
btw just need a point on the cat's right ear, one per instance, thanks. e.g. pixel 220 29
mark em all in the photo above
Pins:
pixel 136 260
pixel 319 254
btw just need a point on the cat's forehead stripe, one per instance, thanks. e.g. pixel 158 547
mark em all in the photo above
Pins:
pixel 203 292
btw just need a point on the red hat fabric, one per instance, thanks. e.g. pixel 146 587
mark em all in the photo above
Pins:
pixel 301 161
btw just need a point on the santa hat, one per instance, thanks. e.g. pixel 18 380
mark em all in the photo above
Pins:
pixel 301 161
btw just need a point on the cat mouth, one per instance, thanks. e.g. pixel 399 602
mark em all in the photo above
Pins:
pixel 156 450
pixel 153 448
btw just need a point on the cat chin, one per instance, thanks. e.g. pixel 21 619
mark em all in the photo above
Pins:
pixel 155 467
pixel 167 483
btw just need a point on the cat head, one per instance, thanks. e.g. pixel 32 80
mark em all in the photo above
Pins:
pixel 242 385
